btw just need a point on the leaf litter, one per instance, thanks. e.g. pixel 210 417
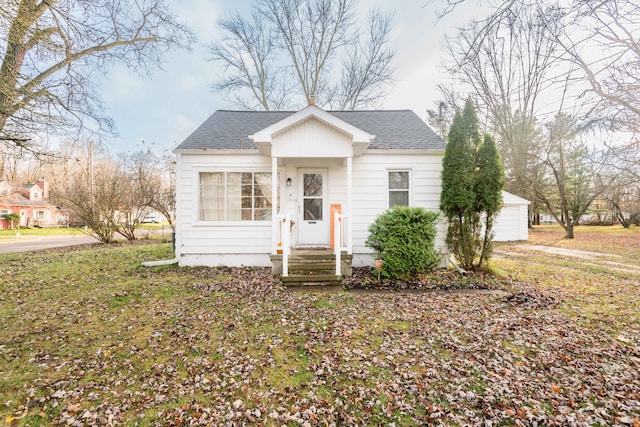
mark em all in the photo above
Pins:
pixel 228 346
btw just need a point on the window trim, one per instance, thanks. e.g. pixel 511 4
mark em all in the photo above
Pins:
pixel 244 223
pixel 408 190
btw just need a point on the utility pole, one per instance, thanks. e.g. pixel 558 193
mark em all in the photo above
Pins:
pixel 441 108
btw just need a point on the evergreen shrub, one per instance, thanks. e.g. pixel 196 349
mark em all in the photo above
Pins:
pixel 404 238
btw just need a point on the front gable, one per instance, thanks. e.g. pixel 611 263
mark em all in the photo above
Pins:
pixel 312 132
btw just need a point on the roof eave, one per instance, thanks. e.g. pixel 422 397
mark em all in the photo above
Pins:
pixel 215 151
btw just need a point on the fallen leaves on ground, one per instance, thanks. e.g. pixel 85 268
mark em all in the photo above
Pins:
pixel 124 345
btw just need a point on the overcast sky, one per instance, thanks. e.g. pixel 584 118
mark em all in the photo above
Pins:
pixel 166 108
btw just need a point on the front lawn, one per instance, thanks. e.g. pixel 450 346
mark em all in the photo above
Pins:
pixel 88 336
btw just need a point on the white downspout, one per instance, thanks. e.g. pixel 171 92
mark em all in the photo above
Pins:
pixel 159 263
pixel 176 259
pixel 349 205
pixel 274 205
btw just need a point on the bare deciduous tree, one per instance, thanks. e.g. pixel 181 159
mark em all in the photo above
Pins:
pixel 624 202
pixel 572 177
pixel 112 196
pixel 164 196
pixel 53 47
pixel 366 71
pixel 92 193
pixel 505 61
pixel 249 56
pixel 609 27
pixel 300 41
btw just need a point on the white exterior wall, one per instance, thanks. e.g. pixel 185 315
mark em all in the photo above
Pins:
pixel 311 139
pixel 371 195
pixel 231 243
pixel 511 224
pixel 249 243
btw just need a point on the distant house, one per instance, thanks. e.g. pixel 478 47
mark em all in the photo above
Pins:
pixel 31 202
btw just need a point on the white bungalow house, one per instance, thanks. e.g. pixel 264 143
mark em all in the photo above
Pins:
pixel 252 185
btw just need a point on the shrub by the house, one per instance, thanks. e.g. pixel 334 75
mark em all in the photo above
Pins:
pixel 13 219
pixel 404 238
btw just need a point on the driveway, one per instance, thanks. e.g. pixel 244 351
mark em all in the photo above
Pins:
pixel 34 243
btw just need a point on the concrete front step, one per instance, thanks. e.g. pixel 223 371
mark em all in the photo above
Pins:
pixel 312 268
pixel 316 264
pixel 311 279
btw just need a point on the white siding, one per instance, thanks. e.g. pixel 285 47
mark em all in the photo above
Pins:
pixel 370 193
pixel 224 243
pixel 246 243
pixel 512 221
pixel 311 139
pixel 511 224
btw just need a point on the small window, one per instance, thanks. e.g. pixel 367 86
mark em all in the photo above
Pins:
pixel 398 188
pixel 4 212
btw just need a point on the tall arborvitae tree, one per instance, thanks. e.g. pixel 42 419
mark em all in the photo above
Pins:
pixel 489 184
pixel 472 180
pixel 457 199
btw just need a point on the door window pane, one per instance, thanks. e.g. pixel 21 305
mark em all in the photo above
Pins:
pixel 313 184
pixel 313 209
pixel 312 196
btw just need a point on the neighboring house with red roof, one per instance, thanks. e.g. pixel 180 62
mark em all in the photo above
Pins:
pixel 31 202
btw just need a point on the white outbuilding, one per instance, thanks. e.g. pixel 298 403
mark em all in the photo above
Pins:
pixel 512 222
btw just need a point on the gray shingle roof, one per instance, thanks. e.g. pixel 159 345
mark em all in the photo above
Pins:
pixel 394 129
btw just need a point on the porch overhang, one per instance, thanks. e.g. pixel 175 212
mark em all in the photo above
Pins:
pixel 312 132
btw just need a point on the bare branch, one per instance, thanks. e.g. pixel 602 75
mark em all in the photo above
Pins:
pixel 289 48
pixel 52 48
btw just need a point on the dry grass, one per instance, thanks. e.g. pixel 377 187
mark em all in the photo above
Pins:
pixel 600 289
pixel 602 239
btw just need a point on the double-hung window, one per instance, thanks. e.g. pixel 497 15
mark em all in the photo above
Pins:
pixel 41 215
pixel 398 188
pixel 235 196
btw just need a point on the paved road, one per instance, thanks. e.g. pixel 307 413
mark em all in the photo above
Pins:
pixel 34 243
